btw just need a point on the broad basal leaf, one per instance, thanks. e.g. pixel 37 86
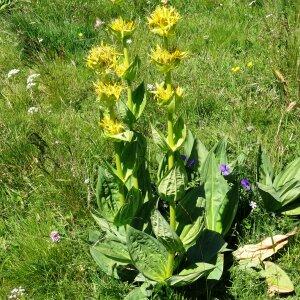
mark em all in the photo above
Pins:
pixel 107 195
pixel 172 185
pixel 264 168
pixel 269 196
pixel 142 292
pixel 216 189
pixel 164 233
pixel 191 274
pixel 113 250
pixel 148 255
pixel 106 264
pixel 220 150
pixel 289 192
pixel 292 171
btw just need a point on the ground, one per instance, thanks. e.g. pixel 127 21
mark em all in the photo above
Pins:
pixel 49 157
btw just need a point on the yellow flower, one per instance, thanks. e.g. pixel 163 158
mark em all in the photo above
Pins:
pixel 102 58
pixel 120 68
pixel 108 93
pixel 250 64
pixel 122 28
pixel 166 60
pixel 235 69
pixel 163 20
pixel 111 126
pixel 165 94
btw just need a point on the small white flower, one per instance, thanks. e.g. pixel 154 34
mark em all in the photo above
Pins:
pixel 150 87
pixel 40 40
pixel 12 72
pixel 32 77
pixel 32 110
pixel 128 41
pixel 31 80
pixel 253 205
pixel 87 181
pixel 56 142
pixel 98 23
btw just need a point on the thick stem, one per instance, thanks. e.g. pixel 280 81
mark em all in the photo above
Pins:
pixel 171 255
pixel 119 172
pixel 135 182
pixel 129 88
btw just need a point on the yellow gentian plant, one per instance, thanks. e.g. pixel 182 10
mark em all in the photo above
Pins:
pixel 159 245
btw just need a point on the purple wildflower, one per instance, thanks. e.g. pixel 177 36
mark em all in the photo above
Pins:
pixel 55 236
pixel 246 184
pixel 190 162
pixel 224 169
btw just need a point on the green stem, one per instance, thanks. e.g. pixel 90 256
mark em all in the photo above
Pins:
pixel 129 88
pixel 119 172
pixel 171 255
pixel 129 100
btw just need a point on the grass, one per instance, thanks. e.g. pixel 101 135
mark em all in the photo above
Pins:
pixel 46 157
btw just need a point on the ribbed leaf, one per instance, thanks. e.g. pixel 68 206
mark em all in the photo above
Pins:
pixel 148 255
pixel 292 171
pixel 191 274
pixel 164 233
pixel 172 185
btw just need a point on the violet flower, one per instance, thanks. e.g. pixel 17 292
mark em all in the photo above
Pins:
pixel 246 184
pixel 224 169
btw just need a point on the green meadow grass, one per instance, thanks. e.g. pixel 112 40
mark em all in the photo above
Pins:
pixel 47 157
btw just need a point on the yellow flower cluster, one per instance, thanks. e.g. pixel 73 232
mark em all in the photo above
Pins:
pixel 167 60
pixel 111 126
pixel 108 93
pixel 163 20
pixel 102 58
pixel 123 29
pixel 165 94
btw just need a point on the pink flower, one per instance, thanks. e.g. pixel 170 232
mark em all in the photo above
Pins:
pixel 55 237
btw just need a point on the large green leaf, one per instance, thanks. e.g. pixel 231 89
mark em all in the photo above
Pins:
pixel 159 139
pixel 216 195
pixel 124 113
pixel 139 100
pixel 107 195
pixel 220 150
pixel 289 192
pixel 142 292
pixel 172 185
pixel 113 250
pixel 217 272
pixel 148 255
pixel 191 206
pixel 191 274
pixel 112 232
pixel 291 209
pixel 264 168
pixel 128 211
pixel 270 197
pixel 132 70
pixel 190 232
pixel 179 130
pixel 194 149
pixel 164 233
pixel 208 245
pixel 292 171
pixel 106 264
pixel 278 281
